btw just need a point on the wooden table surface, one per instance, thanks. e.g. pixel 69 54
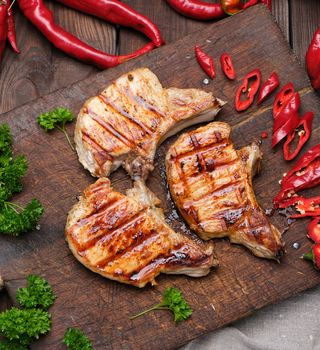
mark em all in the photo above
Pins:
pixel 41 69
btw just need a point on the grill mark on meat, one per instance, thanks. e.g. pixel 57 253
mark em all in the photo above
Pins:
pixel 127 221
pixel 111 130
pixel 210 147
pixel 140 100
pixel 125 115
pixel 101 154
pixel 139 239
pixel 219 192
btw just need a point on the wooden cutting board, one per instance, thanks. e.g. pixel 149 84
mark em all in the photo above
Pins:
pixel 242 283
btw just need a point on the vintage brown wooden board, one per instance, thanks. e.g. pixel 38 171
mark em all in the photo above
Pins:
pixel 242 283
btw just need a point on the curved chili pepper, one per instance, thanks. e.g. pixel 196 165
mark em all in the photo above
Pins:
pixel 117 12
pixel 11 36
pixel 313 60
pixel 3 25
pixel 249 89
pixel 287 120
pixel 227 66
pixel 303 175
pixel 304 135
pixel 41 17
pixel 205 61
pixel 281 99
pixel 197 9
pixel 314 230
pixel 250 3
pixel 268 87
pixel 314 255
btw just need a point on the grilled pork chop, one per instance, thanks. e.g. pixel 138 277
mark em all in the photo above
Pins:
pixel 211 184
pixel 131 117
pixel 126 238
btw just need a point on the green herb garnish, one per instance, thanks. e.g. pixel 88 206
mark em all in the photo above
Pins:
pixel 75 339
pixel 24 326
pixel 38 293
pixel 14 219
pixel 57 118
pixel 173 301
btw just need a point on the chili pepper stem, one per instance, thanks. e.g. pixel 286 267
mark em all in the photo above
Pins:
pixel 308 256
pixel 156 307
pixel 63 129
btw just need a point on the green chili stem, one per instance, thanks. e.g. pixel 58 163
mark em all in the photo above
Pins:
pixel 156 307
pixel 62 129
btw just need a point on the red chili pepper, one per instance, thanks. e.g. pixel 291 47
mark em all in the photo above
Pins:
pixel 304 135
pixel 313 60
pixel 287 120
pixel 12 30
pixel 281 99
pixel 227 66
pixel 268 87
pixel 268 3
pixel 304 174
pixel 264 135
pixel 314 230
pixel 41 17
pixel 3 25
pixel 197 9
pixel 249 89
pixel 117 12
pixel 205 61
pixel 250 3
pixel 307 207
pixel 314 255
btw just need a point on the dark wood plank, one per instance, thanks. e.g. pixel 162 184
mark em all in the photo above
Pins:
pixel 40 68
pixel 304 17
pixel 102 307
pixel 280 10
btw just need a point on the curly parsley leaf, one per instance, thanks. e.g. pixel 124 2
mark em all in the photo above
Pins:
pixel 75 339
pixel 5 141
pixel 24 326
pixel 15 220
pixel 174 301
pixel 12 345
pixel 38 293
pixel 57 118
pixel 11 173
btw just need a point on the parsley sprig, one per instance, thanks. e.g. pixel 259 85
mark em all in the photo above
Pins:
pixel 38 293
pixel 14 219
pixel 21 327
pixel 57 118
pixel 75 339
pixel 174 301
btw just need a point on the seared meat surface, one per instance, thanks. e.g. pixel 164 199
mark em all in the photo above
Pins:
pixel 211 184
pixel 131 117
pixel 126 238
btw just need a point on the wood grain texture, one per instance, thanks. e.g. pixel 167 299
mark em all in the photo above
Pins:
pixel 305 19
pixel 40 68
pixel 241 285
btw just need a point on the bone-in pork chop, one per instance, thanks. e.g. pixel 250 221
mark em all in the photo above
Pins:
pixel 131 117
pixel 126 238
pixel 211 184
